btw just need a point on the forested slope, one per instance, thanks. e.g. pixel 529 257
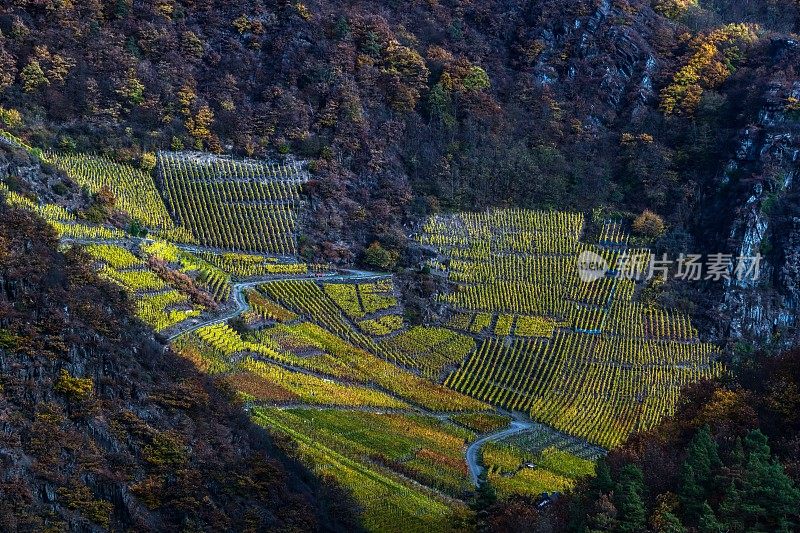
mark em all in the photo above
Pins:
pixel 727 461
pixel 105 428
pixel 406 108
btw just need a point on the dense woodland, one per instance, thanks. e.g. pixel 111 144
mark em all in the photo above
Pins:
pixel 405 108
pixel 402 109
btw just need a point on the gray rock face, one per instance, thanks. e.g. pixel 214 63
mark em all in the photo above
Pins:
pixel 767 160
pixel 606 48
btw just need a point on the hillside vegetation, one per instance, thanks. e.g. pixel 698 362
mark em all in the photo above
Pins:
pixel 727 461
pixel 309 266
pixel 403 108
pixel 104 428
pixel 328 361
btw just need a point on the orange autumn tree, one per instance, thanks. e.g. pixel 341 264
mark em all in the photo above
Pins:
pixel 712 59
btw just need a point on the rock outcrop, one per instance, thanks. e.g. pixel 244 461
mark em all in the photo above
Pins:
pixel 765 222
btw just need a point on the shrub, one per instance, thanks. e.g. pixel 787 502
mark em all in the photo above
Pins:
pixel 378 256
pixel 649 224
pixel 8 341
pixel 82 500
pixel 33 77
pixel 476 79
pixel 60 188
pixel 77 388
pixel 148 161
pixel 11 118
pixel 674 9
pixel 165 450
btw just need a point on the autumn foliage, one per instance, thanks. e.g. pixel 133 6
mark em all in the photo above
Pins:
pixel 82 377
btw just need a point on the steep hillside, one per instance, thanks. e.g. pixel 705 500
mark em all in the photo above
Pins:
pixel 403 109
pixel 760 180
pixel 105 428
pixel 211 172
pixel 728 461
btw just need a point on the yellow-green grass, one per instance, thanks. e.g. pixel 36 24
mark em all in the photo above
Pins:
pixel 315 390
pixel 267 309
pixel 419 446
pixel 429 348
pixel 133 280
pixel 219 349
pixel 46 211
pixel 163 310
pixel 358 300
pixel 248 265
pixel 85 231
pixel 390 503
pixel 212 279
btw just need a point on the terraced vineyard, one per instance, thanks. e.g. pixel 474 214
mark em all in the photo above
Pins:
pixel 359 300
pixel 581 356
pixel 214 280
pixel 542 437
pixel 430 348
pixel 49 212
pixel 349 413
pixel 329 363
pixel 155 301
pixel 62 221
pixel 321 339
pixel 391 503
pixel 134 190
pixel 252 266
pixel 421 446
pixel 515 470
pixel 329 360
pixel 236 205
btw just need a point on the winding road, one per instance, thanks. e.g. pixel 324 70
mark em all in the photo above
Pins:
pixel 518 425
pixel 238 289
pixel 473 464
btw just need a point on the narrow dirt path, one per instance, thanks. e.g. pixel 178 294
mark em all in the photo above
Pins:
pixel 471 455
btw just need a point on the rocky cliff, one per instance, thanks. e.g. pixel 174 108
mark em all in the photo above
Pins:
pixel 759 184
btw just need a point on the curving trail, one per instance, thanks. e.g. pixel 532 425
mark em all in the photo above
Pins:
pixel 518 425
pixel 471 455
pixel 237 289
pixel 241 305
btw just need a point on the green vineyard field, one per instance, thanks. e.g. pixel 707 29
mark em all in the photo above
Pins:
pixel 375 396
pixel 236 205
pixel 133 189
pixel 580 356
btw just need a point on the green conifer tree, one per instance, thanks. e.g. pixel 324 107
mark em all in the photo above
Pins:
pixel 630 501
pixel 708 520
pixel 698 473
